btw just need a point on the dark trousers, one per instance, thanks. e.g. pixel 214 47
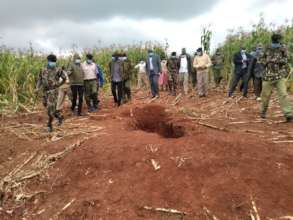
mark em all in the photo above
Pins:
pixel 193 79
pixel 154 82
pixel 172 83
pixel 257 84
pixel 117 91
pixel 77 91
pixel 242 75
pixel 126 90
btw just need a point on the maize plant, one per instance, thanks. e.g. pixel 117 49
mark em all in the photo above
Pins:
pixel 19 71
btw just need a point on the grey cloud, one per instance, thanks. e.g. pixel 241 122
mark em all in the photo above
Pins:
pixel 21 12
pixel 64 35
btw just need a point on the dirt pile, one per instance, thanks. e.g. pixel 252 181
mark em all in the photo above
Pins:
pixel 125 174
pixel 155 119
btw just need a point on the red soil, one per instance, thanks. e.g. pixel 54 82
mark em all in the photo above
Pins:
pixel 111 176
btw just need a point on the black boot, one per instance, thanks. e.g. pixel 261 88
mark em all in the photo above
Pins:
pixel 289 118
pixel 50 127
pixel 59 118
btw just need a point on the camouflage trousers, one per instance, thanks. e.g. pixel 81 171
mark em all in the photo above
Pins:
pixel 217 76
pixel 172 82
pixel 281 87
pixel 126 94
pixel 52 96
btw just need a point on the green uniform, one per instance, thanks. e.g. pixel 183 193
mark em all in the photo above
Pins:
pixel 275 60
pixel 75 74
pixel 173 69
pixel 126 78
pixel 218 64
pixel 49 80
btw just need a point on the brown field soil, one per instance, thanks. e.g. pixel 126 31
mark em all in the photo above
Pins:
pixel 198 159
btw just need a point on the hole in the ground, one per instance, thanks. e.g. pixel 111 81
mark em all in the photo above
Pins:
pixel 154 118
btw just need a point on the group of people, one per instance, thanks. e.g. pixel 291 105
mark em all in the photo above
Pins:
pixel 175 73
pixel 267 67
pixel 80 80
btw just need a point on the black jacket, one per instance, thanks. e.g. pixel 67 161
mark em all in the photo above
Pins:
pixel 238 62
pixel 189 65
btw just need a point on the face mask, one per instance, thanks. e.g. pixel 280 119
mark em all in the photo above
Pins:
pixel 89 61
pixel 151 54
pixel 276 45
pixel 243 51
pixel 199 53
pixel 52 64
pixel 77 61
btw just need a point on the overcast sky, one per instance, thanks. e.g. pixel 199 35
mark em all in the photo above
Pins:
pixel 58 24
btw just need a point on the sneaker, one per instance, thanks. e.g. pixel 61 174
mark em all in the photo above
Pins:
pixel 289 118
pixel 50 129
pixel 258 99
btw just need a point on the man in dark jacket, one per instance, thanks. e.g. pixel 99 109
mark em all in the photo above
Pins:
pixel 241 62
pixel 115 67
pixel 153 67
pixel 256 70
pixel 126 77
pixel 76 83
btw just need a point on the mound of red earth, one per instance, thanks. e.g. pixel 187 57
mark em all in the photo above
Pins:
pixel 206 174
pixel 154 118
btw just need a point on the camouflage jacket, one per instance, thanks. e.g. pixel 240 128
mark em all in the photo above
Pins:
pixel 218 61
pixel 50 79
pixel 173 65
pixel 275 61
pixel 126 70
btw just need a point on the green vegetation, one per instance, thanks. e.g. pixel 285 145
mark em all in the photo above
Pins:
pixel 259 33
pixel 19 71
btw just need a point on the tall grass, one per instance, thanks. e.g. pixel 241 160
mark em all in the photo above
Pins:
pixel 19 71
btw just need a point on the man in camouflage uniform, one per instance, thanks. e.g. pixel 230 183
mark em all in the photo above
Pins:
pixel 173 69
pixel 218 64
pixel 50 79
pixel 126 77
pixel 275 60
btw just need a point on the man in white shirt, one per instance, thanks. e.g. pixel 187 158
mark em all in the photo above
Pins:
pixel 184 71
pixel 142 75
pixel 89 69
